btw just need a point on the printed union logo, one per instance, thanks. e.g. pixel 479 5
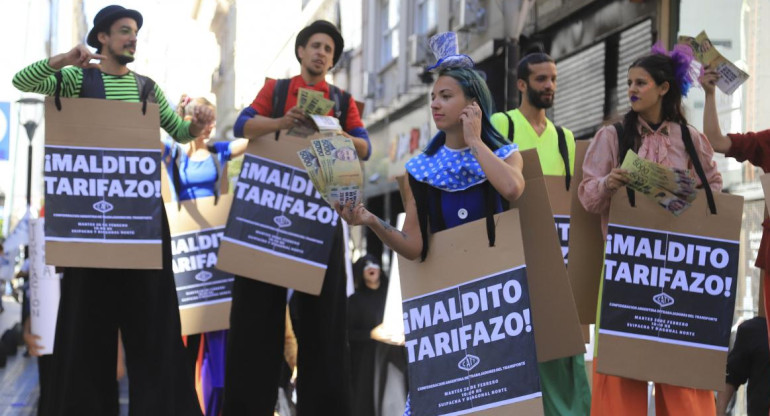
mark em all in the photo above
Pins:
pixel 103 206
pixel 469 362
pixel 282 221
pixel 203 276
pixel 663 300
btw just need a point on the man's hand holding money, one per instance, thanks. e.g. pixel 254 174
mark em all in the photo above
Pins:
pixel 294 117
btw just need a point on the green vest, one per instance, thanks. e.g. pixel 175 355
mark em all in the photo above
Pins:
pixel 546 144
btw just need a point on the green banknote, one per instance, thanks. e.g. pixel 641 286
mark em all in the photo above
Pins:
pixel 339 169
pixel 673 188
pixel 310 162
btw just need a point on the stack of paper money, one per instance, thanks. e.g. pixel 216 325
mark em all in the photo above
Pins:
pixel 673 189
pixel 333 166
pixel 730 76
pixel 315 107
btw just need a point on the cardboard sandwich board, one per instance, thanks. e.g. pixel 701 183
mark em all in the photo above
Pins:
pixel 470 332
pixel 669 290
pixel 559 334
pixel 586 246
pixel 203 291
pixel 279 229
pixel 102 168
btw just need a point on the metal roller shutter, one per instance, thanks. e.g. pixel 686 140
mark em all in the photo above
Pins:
pixel 634 43
pixel 579 103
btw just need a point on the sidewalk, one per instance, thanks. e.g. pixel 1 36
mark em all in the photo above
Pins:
pixel 19 390
pixel 18 380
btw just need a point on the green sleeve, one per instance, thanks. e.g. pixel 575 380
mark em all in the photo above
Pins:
pixel 500 123
pixel 39 78
pixel 170 120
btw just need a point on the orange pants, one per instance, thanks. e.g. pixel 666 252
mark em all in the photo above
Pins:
pixel 612 395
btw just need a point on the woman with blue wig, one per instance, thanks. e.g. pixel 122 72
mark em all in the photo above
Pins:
pixel 466 172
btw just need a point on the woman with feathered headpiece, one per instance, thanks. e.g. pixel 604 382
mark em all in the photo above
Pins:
pixel 656 129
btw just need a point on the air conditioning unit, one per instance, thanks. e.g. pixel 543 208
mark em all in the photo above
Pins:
pixel 419 52
pixel 370 85
pixel 469 15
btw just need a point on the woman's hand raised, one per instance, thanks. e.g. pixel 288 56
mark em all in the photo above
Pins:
pixel 471 119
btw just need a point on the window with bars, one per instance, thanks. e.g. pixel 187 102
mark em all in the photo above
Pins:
pixel 592 82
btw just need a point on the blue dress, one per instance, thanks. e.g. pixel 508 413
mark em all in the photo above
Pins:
pixel 459 180
pixel 198 178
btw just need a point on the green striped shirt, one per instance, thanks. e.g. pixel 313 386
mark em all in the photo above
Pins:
pixel 39 78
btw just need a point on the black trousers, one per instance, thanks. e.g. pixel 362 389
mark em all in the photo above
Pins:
pixel 94 303
pixel 256 339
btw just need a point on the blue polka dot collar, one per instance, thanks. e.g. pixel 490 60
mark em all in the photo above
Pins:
pixel 452 170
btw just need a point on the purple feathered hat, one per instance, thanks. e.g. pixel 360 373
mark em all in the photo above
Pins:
pixel 686 70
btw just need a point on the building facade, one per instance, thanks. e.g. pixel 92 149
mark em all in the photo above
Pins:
pixel 593 43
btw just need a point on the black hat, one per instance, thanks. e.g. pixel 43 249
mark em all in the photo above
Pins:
pixel 321 26
pixel 106 17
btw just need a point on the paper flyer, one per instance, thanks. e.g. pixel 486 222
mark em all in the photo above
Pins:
pixel 731 77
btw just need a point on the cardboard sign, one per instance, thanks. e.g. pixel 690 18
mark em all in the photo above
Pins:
pixel 559 197
pixel 203 291
pixel 669 291
pixel 469 345
pixel 102 184
pixel 586 246
pixel 279 230
pixel 44 290
pixel 555 316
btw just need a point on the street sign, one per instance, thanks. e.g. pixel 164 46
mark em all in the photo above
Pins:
pixel 5 135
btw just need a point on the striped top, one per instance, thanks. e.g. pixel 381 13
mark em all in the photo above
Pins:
pixel 39 78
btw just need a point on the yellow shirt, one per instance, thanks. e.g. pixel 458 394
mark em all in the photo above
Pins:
pixel 547 144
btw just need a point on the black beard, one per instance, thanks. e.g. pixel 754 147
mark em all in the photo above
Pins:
pixel 121 58
pixel 124 59
pixel 533 96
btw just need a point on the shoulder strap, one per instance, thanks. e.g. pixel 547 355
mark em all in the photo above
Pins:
pixel 146 87
pixel 93 84
pixel 490 202
pixel 420 193
pixel 511 126
pixel 280 92
pixel 57 91
pixel 564 151
pixel 621 147
pixel 219 168
pixel 690 147
pixel 621 155
pixel 176 169
pixel 341 104
pixel 434 196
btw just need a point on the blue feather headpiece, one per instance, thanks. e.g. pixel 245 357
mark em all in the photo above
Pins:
pixel 445 47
